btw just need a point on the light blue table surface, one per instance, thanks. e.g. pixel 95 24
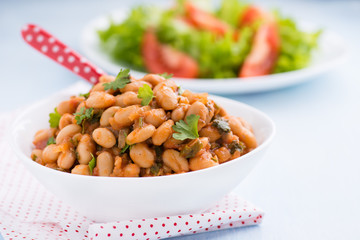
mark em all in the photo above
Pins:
pixel 308 183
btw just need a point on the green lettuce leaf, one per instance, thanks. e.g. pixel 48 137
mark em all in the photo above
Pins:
pixel 296 46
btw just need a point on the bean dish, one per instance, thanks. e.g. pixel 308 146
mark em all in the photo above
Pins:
pixel 127 127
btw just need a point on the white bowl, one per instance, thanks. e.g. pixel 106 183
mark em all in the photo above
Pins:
pixel 109 199
pixel 331 52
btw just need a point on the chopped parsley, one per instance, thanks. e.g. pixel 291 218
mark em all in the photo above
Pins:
pixel 126 145
pixel 54 119
pixel 92 164
pixel 188 129
pixel 85 95
pixel 125 148
pixel 96 116
pixel 120 81
pixel 191 149
pixel 155 169
pixel 141 122
pixel 180 90
pixel 50 141
pixel 222 125
pixel 146 94
pixel 236 146
pixel 83 115
pixel 158 152
pixel 166 75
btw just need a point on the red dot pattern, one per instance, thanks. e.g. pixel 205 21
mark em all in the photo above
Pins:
pixel 50 46
pixel 29 211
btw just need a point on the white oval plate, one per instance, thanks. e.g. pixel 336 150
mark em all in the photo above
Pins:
pixel 330 53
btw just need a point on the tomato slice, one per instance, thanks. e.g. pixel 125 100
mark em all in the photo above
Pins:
pixel 251 15
pixel 161 58
pixel 204 20
pixel 265 45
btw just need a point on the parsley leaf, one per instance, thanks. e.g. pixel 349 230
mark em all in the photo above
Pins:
pixel 85 95
pixel 51 140
pixel 146 94
pixel 92 164
pixel 222 125
pixel 191 149
pixel 155 169
pixel 236 146
pixel 180 90
pixel 126 145
pixel 166 75
pixel 120 81
pixel 188 129
pixel 141 122
pixel 125 148
pixel 83 115
pixel 54 119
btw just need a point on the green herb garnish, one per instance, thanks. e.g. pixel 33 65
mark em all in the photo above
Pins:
pixel 155 169
pixel 92 164
pixel 85 95
pixel 96 116
pixel 125 148
pixel 180 90
pixel 191 149
pixel 146 94
pixel 166 75
pixel 158 152
pixel 51 140
pixel 83 115
pixel 120 81
pixel 222 125
pixel 54 119
pixel 188 129
pixel 236 146
pixel 141 122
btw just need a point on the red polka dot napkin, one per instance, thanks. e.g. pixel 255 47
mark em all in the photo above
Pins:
pixel 29 211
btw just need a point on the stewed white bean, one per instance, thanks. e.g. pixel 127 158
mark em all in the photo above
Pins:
pixel 175 161
pixel 104 137
pixel 163 133
pixel 107 114
pixel 85 149
pixel 66 159
pixel 66 119
pixel 155 116
pixel 105 164
pixel 166 98
pixel 50 154
pixel 100 100
pixel 67 132
pixel 81 169
pixel 140 134
pixel 142 155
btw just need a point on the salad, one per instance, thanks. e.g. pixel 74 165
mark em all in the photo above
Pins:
pixel 192 40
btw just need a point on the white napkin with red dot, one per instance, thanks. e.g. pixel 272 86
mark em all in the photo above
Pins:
pixel 29 211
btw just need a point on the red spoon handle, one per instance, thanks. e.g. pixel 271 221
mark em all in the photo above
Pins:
pixel 50 46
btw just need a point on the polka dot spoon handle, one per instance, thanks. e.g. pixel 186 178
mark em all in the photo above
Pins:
pixel 50 46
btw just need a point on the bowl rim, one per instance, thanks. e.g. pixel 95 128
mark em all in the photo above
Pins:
pixel 20 154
